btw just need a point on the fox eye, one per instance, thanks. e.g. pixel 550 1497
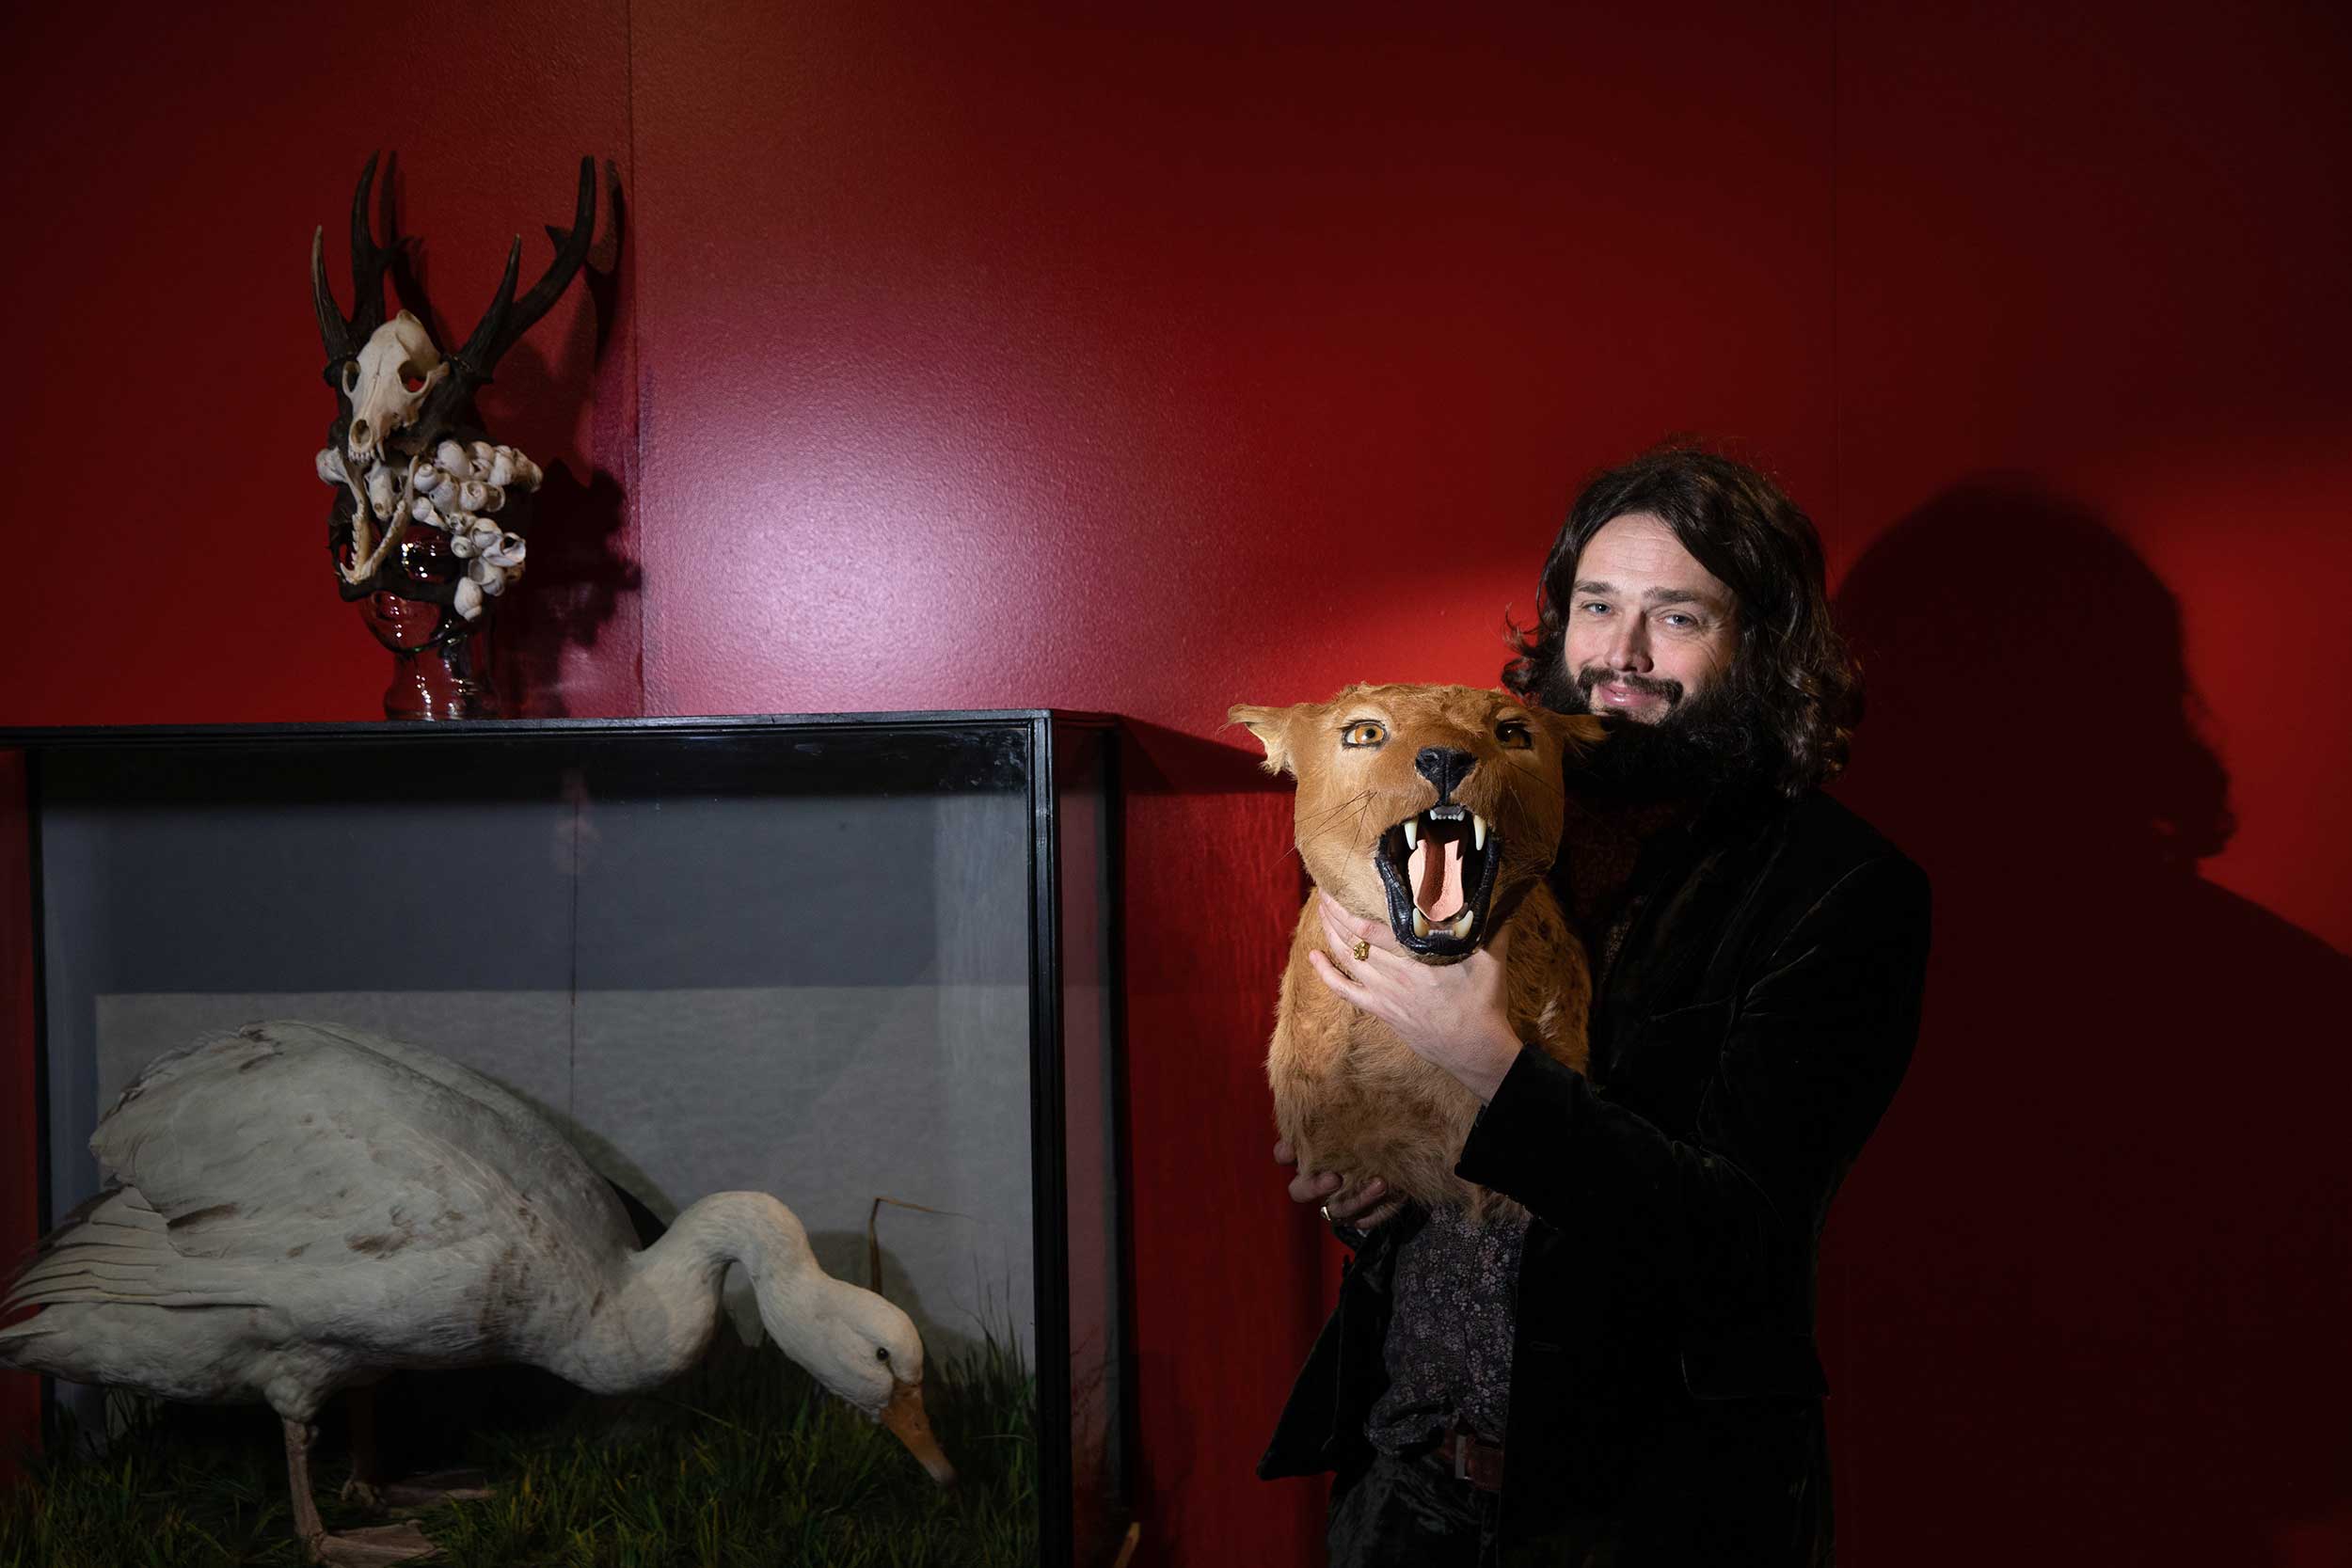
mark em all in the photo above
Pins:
pixel 1364 732
pixel 1515 735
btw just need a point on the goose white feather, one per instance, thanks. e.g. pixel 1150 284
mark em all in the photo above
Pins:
pixel 295 1207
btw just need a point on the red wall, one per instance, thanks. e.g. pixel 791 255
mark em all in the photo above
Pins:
pixel 949 360
pixel 2092 517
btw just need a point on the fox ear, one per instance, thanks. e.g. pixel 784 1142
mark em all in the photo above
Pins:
pixel 1272 726
pixel 1576 732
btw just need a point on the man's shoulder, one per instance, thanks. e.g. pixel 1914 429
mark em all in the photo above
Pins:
pixel 1823 830
pixel 1820 846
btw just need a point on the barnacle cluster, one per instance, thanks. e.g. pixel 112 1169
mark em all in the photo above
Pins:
pixel 458 492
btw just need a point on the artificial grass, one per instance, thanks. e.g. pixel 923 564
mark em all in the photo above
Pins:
pixel 743 1465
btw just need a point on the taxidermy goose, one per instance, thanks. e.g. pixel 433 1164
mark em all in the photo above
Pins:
pixel 298 1208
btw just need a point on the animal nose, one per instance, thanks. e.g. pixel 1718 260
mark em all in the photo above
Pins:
pixel 1444 767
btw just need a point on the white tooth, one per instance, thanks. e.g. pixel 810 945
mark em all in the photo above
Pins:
pixel 1478 831
pixel 1462 925
pixel 1421 924
pixel 1412 834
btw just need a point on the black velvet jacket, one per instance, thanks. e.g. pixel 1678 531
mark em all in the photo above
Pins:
pixel 1665 1393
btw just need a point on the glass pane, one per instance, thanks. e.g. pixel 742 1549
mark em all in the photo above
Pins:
pixel 791 961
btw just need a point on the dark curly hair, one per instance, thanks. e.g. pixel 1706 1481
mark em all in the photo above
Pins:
pixel 1791 667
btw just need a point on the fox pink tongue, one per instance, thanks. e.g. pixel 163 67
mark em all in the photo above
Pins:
pixel 1436 878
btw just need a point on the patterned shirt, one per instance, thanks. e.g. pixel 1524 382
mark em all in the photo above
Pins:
pixel 1448 1345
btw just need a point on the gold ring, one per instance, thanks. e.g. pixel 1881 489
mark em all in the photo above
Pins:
pixel 1363 952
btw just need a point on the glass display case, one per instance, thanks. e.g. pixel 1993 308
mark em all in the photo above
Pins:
pixel 836 958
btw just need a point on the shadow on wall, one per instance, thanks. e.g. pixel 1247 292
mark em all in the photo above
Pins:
pixel 577 580
pixel 2090 1288
pixel 578 571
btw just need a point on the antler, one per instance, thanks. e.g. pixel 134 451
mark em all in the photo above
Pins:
pixel 343 335
pixel 509 318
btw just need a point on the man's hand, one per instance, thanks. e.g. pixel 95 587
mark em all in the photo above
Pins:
pixel 1451 1015
pixel 1359 1206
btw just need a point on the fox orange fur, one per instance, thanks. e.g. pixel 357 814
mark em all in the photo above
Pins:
pixel 1348 1095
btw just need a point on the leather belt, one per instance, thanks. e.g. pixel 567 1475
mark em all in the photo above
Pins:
pixel 1473 1460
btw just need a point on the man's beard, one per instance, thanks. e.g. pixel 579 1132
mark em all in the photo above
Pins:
pixel 1703 746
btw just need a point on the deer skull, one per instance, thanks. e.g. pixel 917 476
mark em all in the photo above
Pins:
pixel 388 383
pixel 400 448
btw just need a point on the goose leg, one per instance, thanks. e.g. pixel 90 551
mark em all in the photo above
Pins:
pixel 367 1474
pixel 309 1528
pixel 361 1548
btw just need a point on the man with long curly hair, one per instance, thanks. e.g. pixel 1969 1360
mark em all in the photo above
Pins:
pixel 1624 1372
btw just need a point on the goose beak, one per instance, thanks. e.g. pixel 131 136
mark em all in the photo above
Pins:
pixel 904 1416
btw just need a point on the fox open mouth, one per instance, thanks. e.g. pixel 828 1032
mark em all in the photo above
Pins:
pixel 1438 869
